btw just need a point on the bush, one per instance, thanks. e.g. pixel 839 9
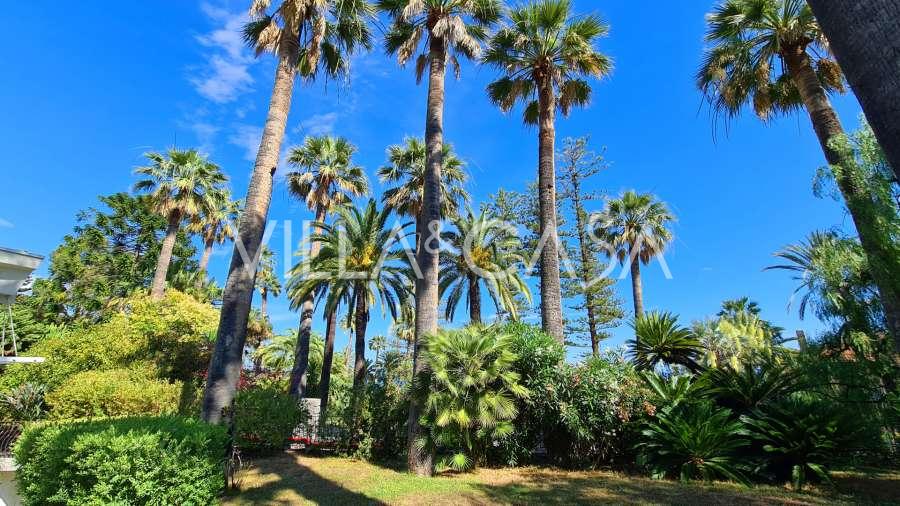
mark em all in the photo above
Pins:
pixel 117 392
pixel 264 419
pixel 166 460
pixel 172 334
pixel 24 403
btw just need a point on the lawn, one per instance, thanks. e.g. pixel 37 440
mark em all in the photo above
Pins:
pixel 295 479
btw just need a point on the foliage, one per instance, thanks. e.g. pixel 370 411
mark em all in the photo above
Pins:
pixel 171 333
pixel 660 340
pixel 32 317
pixel 635 227
pixel 472 393
pixel 329 177
pixel 406 174
pixel 388 395
pixel 266 279
pixel 753 386
pixel 264 419
pixel 24 403
pixel 112 393
pixel 180 183
pixel 692 440
pixel 143 460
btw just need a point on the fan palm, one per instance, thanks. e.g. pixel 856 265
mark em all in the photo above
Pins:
pixel 327 178
pixel 182 184
pixel 484 252
pixel 545 53
pixel 311 38
pixel 772 53
pixel 215 224
pixel 660 340
pixel 359 261
pixel 635 227
pixel 266 280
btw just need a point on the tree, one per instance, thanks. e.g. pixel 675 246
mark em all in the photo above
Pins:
pixel 327 178
pixel 635 227
pixel 182 184
pixel 484 251
pixel 773 53
pixel 215 224
pixel 862 34
pixel 266 280
pixel 308 38
pixel 545 53
pixel 359 261
pixel 660 340
pixel 592 290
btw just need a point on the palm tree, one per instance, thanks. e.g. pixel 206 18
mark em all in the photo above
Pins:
pixel 545 53
pixel 359 262
pixel 182 185
pixel 743 305
pixel 635 227
pixel 772 53
pixel 215 225
pixel 484 252
pixel 327 178
pixel 447 29
pixel 862 34
pixel 308 38
pixel 266 280
pixel 660 340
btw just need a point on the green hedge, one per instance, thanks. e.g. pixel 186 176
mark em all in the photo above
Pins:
pixel 118 392
pixel 264 419
pixel 144 460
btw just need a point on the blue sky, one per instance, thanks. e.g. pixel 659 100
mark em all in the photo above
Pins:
pixel 87 90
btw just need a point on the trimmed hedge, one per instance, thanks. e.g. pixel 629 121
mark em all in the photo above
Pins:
pixel 118 392
pixel 264 419
pixel 142 460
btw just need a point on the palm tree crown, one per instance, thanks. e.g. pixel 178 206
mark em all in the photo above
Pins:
pixel 406 170
pixel 217 222
pixel 545 48
pixel 744 64
pixel 182 182
pixel 635 225
pixel 329 177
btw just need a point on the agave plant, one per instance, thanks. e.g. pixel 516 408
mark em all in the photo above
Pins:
pixel 473 392
pixel 660 340
pixel 692 440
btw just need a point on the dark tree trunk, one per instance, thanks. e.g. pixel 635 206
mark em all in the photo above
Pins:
pixel 875 239
pixel 863 36
pixel 327 359
pixel 158 288
pixel 422 462
pixel 551 291
pixel 204 262
pixel 474 300
pixel 227 357
pixel 299 373
pixel 636 289
pixel 361 322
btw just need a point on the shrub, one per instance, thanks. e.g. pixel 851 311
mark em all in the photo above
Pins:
pixel 692 440
pixel 117 392
pixel 146 460
pixel 264 419
pixel 24 403
pixel 172 334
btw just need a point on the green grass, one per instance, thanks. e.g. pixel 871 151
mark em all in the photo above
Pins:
pixel 294 479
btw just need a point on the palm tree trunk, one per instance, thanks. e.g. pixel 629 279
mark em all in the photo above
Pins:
pixel 362 321
pixel 158 288
pixel 227 357
pixel 204 262
pixel 884 260
pixel 551 293
pixel 636 289
pixel 863 36
pixel 474 300
pixel 297 385
pixel 264 303
pixel 422 462
pixel 327 359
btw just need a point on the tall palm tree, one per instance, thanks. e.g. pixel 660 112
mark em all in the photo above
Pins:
pixel 267 280
pixel 447 29
pixel 182 185
pixel 308 38
pixel 327 178
pixel 484 251
pixel 215 224
pixel 359 262
pixel 863 36
pixel 545 53
pixel 635 227
pixel 772 53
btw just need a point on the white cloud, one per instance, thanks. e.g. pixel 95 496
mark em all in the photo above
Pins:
pixel 227 73
pixel 320 124
pixel 6 224
pixel 205 133
pixel 247 137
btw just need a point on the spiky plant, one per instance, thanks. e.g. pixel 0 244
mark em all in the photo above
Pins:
pixel 659 339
